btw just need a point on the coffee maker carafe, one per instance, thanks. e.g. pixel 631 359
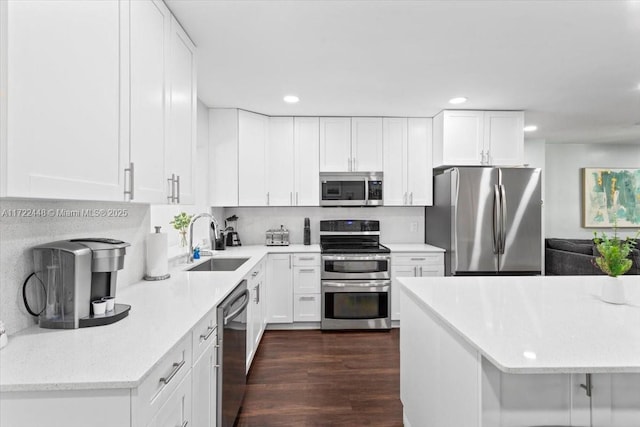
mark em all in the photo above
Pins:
pixel 74 273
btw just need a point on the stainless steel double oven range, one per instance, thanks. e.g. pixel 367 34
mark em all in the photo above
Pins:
pixel 356 276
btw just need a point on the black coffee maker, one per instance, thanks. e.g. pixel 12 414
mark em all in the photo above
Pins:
pixel 232 237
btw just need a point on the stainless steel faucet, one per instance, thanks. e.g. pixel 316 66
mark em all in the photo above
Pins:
pixel 213 232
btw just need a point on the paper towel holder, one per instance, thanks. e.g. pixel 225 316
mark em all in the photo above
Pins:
pixel 164 276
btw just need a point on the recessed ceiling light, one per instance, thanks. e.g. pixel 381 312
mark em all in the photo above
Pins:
pixel 458 100
pixel 531 128
pixel 291 99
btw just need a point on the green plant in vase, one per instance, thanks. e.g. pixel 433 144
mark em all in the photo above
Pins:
pixel 614 252
pixel 181 223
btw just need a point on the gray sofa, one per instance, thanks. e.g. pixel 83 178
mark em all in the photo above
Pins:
pixel 576 257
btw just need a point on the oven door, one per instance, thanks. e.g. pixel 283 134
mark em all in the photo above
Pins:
pixel 356 267
pixel 356 304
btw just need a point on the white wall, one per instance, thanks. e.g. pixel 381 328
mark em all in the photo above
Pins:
pixel 395 222
pixel 564 184
pixel 19 234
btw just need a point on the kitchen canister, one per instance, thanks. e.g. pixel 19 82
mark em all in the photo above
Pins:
pixel 157 256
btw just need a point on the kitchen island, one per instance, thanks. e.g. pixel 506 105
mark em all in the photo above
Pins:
pixel 519 351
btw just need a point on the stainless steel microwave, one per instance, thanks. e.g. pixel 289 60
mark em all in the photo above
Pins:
pixel 350 188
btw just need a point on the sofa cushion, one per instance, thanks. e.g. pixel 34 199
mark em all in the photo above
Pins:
pixel 565 245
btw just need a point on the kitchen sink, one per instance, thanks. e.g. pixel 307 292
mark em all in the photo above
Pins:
pixel 219 264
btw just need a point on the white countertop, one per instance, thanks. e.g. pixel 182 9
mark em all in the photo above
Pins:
pixel 413 247
pixel 121 354
pixel 553 324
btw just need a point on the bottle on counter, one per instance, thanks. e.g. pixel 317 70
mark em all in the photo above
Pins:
pixel 307 232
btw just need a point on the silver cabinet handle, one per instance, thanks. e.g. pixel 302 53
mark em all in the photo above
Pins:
pixel 296 198
pixel 411 198
pixel 307 298
pixel 349 164
pixel 258 294
pixel 306 258
pixel 420 271
pixel 178 189
pixel 355 165
pixel 290 198
pixel 404 198
pixel 418 259
pixel 206 336
pixel 129 191
pixel 176 368
pixel 307 270
pixel 267 198
pixel 185 424
pixel 289 262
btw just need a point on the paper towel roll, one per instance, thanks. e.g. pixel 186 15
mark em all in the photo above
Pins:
pixel 157 258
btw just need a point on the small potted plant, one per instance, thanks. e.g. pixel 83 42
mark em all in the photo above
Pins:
pixel 181 223
pixel 613 261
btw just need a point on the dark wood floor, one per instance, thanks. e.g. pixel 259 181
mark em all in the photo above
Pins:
pixel 313 378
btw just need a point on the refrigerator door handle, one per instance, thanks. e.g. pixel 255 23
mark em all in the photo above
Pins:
pixel 503 219
pixel 496 220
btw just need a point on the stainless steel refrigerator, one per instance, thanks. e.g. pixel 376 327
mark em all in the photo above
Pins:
pixel 488 219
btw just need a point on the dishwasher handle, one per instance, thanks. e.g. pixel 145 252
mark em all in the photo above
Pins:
pixel 234 314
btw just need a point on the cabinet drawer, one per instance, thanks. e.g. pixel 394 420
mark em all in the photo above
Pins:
pixel 418 259
pixel 161 381
pixel 306 259
pixel 306 308
pixel 306 280
pixel 204 334
pixel 176 411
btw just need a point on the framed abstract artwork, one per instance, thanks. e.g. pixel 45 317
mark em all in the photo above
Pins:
pixel 611 195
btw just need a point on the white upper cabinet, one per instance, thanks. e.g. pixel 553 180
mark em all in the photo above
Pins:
pixel 182 103
pixel 66 87
pixel 252 139
pixel 149 50
pixel 307 161
pixel 111 85
pixel 408 163
pixel 350 144
pixel 420 162
pixel 478 138
pixel 366 144
pixel 335 144
pixel 223 156
pixel 280 162
pixel 504 137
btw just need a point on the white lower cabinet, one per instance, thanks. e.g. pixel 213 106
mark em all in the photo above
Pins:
pixel 204 372
pixel 419 264
pixel 176 412
pixel 293 293
pixel 256 318
pixel 280 288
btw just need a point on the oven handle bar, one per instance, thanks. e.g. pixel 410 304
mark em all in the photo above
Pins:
pixel 356 257
pixel 355 284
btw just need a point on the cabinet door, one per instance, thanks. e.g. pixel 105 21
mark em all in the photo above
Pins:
pixel 223 155
pixel 306 143
pixel 335 144
pixel 177 410
pixel 204 389
pixel 181 147
pixel 306 280
pixel 252 137
pixel 419 162
pixel 149 29
pixel 306 308
pixel 462 137
pixel 395 161
pixel 280 289
pixel 68 95
pixel 279 162
pixel 366 144
pixel 504 137
pixel 399 271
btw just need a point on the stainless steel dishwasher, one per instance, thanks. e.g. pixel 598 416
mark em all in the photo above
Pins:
pixel 232 341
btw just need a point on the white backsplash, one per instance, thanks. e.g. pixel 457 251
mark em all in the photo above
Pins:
pixel 19 233
pixel 395 222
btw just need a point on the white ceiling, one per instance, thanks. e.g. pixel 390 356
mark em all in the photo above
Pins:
pixel 573 66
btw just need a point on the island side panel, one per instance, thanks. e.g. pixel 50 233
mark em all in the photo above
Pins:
pixel 66 408
pixel 440 374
